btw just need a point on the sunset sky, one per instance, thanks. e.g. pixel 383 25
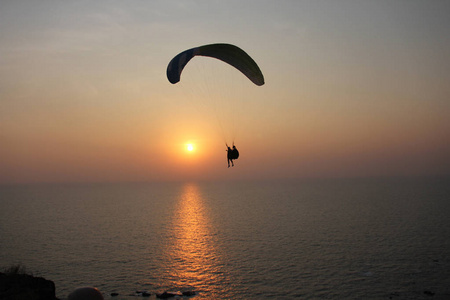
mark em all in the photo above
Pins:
pixel 353 88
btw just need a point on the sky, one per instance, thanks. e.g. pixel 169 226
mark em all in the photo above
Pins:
pixel 353 89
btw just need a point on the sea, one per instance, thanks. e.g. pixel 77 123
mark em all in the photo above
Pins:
pixel 371 238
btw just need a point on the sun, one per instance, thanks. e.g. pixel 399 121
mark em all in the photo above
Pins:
pixel 190 147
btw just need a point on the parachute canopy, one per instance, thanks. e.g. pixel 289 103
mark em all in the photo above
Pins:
pixel 230 54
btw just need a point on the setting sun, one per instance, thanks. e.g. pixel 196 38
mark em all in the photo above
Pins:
pixel 189 147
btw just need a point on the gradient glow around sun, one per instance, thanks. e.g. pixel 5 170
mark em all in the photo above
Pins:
pixel 190 147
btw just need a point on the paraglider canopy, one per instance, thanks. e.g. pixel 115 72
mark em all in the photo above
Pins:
pixel 227 53
pixel 213 83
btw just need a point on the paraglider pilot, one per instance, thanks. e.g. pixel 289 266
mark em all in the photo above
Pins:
pixel 232 154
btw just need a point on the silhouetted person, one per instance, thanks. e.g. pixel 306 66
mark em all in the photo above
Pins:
pixel 231 155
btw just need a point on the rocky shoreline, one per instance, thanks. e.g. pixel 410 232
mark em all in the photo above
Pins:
pixel 15 286
pixel 22 286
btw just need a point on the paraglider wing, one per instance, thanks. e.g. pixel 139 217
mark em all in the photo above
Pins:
pixel 230 54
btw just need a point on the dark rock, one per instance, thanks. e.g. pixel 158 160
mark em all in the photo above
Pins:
pixel 429 293
pixel 145 294
pixel 394 294
pixel 166 295
pixel 114 294
pixel 85 293
pixel 26 287
pixel 189 293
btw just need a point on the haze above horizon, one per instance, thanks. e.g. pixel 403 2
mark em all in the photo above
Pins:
pixel 353 89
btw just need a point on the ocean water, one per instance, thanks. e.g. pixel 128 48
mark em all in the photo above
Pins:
pixel 310 239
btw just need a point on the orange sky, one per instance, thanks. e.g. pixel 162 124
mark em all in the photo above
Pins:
pixel 353 88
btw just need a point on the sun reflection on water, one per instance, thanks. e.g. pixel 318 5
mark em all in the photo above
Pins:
pixel 195 261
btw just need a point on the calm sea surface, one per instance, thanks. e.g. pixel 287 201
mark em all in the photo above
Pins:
pixel 324 239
